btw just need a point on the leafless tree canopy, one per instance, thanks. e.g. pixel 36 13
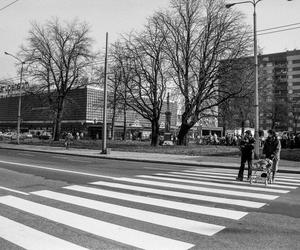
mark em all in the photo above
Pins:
pixel 58 56
pixel 199 34
pixel 143 64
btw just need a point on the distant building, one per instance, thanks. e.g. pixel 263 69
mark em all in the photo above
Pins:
pixel 83 113
pixel 279 81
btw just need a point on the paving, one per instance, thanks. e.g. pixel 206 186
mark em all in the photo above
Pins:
pixel 213 161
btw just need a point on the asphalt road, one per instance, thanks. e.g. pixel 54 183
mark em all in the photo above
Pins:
pixel 50 201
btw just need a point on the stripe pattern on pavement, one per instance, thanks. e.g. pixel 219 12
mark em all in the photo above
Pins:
pixel 177 195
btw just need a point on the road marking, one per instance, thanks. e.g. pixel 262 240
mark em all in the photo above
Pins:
pixel 29 238
pixel 197 188
pixel 13 190
pixel 54 169
pixel 70 159
pixel 243 203
pixel 187 207
pixel 239 184
pixel 103 229
pixel 208 183
pixel 26 154
pixel 137 214
pixel 228 174
pixel 286 183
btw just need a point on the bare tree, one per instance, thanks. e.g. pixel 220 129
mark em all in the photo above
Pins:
pixel 293 105
pixel 115 98
pixel 59 55
pixel 199 35
pixel 147 89
pixel 122 73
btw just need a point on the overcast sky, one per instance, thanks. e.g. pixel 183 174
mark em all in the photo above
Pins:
pixel 119 16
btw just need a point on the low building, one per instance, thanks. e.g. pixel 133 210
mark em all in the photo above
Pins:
pixel 83 112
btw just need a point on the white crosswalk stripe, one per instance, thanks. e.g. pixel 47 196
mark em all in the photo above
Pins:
pixel 30 238
pixel 103 229
pixel 151 217
pixel 279 180
pixel 208 183
pixel 199 189
pixel 218 212
pixel 215 199
pixel 225 179
pixel 134 200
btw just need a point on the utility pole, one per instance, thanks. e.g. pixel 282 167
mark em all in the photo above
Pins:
pixel 20 96
pixel 104 127
pixel 256 101
pixel 256 104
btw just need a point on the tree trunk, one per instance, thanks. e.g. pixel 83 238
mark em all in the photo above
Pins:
pixel 124 126
pixel 243 126
pixel 155 133
pixel 182 135
pixel 58 119
pixel 112 130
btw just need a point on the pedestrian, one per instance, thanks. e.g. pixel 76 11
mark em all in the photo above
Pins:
pixel 68 139
pixel 272 150
pixel 246 146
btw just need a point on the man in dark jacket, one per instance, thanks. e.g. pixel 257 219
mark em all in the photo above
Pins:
pixel 247 146
pixel 272 149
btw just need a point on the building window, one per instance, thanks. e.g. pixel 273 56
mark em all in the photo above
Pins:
pixel 296 61
pixel 296 76
pixel 296 83
pixel 296 69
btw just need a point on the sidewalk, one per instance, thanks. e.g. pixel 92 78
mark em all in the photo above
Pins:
pixel 204 161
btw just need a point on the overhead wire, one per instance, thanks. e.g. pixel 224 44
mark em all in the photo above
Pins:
pixel 8 5
pixel 278 31
pixel 278 27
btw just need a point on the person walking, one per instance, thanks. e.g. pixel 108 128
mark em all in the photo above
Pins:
pixel 68 140
pixel 246 146
pixel 272 150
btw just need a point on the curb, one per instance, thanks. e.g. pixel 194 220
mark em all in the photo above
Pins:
pixel 137 160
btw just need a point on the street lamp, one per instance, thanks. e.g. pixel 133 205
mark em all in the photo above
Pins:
pixel 20 95
pixel 256 104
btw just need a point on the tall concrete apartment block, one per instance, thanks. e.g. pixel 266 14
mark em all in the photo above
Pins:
pixel 280 80
pixel 293 58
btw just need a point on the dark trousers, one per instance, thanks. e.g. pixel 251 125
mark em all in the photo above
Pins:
pixel 245 158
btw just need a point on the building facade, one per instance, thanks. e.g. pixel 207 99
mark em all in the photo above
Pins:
pixel 83 112
pixel 279 94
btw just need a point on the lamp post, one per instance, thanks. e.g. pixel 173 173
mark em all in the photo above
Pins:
pixel 104 127
pixel 20 95
pixel 256 103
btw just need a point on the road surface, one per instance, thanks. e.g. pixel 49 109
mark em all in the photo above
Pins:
pixel 50 201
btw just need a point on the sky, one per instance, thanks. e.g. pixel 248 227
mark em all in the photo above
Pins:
pixel 121 16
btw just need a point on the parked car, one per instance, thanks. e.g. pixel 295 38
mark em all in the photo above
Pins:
pixel 26 135
pixel 45 136
pixel 8 135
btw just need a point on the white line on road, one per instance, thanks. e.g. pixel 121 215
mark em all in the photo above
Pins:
pixel 137 214
pixel 13 190
pixel 187 207
pixel 103 229
pixel 208 183
pixel 71 159
pixel 29 238
pixel 26 154
pixel 218 180
pixel 243 203
pixel 288 180
pixel 224 179
pixel 197 188
pixel 53 169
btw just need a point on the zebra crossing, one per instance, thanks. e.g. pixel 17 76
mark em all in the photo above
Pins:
pixel 194 201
